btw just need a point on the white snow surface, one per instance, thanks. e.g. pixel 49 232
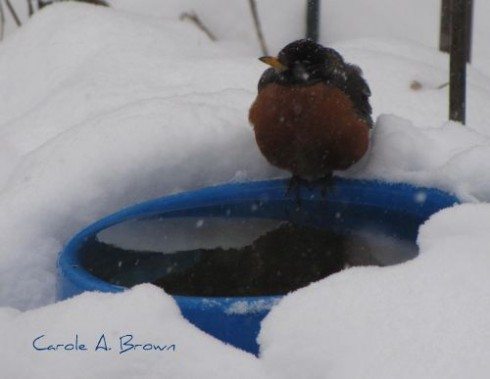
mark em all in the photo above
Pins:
pixel 101 108
pixel 196 355
pixel 427 318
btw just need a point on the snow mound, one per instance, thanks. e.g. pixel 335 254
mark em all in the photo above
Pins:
pixel 420 319
pixel 136 153
pixel 134 118
pixel 452 158
pixel 145 312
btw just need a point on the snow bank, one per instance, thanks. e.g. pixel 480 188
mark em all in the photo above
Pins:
pixel 427 318
pixel 342 20
pixel 107 321
pixel 452 158
pixel 416 21
pixel 135 119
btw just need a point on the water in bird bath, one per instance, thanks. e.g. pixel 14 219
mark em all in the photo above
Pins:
pixel 227 256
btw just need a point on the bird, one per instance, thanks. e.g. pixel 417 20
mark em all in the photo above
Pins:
pixel 312 114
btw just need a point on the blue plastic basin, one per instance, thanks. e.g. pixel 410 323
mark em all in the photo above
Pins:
pixel 397 208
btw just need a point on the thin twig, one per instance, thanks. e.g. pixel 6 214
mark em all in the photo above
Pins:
pixel 13 13
pixel 258 26
pixel 2 21
pixel 30 7
pixel 193 17
pixel 441 86
pixel 93 2
pixel 44 3
pixel 415 85
pixel 41 4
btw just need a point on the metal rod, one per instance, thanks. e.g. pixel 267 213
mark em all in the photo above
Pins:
pixel 457 78
pixel 445 27
pixel 469 29
pixel 312 19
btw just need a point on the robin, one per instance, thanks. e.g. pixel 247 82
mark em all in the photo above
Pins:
pixel 312 113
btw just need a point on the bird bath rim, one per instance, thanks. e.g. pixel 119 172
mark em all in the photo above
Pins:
pixel 71 269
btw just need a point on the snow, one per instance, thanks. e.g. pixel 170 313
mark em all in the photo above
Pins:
pixel 426 318
pixel 92 315
pixel 134 119
pixel 244 307
pixel 101 108
pixel 449 157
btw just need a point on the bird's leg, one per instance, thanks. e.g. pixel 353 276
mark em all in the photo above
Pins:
pixel 326 184
pixel 294 186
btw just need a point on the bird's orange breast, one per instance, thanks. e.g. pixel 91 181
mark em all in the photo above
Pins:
pixel 308 130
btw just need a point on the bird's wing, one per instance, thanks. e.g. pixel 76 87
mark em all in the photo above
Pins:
pixel 358 90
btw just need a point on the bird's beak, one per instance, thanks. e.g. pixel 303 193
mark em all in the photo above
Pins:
pixel 274 62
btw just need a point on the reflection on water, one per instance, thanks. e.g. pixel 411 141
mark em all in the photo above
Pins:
pixel 220 256
pixel 189 233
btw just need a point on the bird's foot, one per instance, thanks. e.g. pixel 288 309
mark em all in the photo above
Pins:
pixel 326 184
pixel 294 188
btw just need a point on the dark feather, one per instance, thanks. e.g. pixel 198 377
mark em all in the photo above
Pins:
pixel 309 63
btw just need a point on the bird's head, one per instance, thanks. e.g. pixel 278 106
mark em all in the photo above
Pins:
pixel 302 62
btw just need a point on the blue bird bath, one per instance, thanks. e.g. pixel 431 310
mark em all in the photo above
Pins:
pixel 392 210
